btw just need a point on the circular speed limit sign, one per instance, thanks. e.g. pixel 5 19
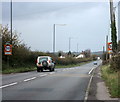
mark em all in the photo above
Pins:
pixel 109 46
pixel 8 49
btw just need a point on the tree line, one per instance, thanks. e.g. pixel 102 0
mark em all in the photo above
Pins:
pixel 22 56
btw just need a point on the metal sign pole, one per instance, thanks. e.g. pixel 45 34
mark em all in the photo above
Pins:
pixel 8 61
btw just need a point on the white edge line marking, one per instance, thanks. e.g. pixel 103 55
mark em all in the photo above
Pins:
pixel 29 79
pixel 8 85
pixel 88 88
pixel 91 71
pixel 43 75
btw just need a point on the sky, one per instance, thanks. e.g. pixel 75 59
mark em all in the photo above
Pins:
pixel 87 24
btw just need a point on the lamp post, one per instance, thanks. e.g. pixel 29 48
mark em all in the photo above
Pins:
pixel 77 47
pixel 54 35
pixel 70 38
pixel 69 43
pixel 11 21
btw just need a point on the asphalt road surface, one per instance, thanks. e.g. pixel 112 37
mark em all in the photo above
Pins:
pixel 62 84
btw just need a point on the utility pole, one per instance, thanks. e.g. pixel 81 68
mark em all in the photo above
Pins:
pixel 103 53
pixel 103 49
pixel 106 47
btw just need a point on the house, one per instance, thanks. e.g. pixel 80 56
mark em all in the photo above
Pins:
pixel 81 55
pixel 62 56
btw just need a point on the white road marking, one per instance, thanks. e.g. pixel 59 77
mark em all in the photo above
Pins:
pixel 8 85
pixel 43 75
pixel 52 72
pixel 90 71
pixel 29 79
pixel 88 88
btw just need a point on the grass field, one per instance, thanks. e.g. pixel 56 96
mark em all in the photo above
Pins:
pixel 112 80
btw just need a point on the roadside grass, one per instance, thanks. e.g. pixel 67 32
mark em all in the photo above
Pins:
pixel 27 69
pixel 18 70
pixel 112 80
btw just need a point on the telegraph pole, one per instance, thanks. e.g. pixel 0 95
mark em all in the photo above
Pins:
pixel 103 49
pixel 106 47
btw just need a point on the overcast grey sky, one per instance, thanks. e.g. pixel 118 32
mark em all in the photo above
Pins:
pixel 87 23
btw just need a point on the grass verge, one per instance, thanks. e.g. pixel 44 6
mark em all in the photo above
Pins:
pixel 27 69
pixel 112 80
pixel 18 70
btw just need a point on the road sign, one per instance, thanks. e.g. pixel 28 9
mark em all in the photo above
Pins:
pixel 109 46
pixel 8 49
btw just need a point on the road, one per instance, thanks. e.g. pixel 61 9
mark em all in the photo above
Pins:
pixel 62 84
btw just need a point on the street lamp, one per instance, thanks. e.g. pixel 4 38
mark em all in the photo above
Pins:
pixel 77 47
pixel 54 31
pixel 11 21
pixel 69 43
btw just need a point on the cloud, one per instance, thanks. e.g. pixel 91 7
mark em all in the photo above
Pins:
pixel 41 10
pixel 87 23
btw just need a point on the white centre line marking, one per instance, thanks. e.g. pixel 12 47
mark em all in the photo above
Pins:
pixel 29 79
pixel 8 85
pixel 52 72
pixel 43 75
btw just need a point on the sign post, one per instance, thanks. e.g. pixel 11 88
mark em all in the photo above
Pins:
pixel 8 51
pixel 110 49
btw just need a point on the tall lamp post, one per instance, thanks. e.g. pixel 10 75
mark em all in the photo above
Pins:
pixel 54 35
pixel 69 43
pixel 70 38
pixel 11 21
pixel 77 47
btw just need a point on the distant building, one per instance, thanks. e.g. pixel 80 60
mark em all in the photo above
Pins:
pixel 62 56
pixel 80 56
pixel 119 21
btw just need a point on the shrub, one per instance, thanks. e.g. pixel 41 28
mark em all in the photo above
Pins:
pixel 70 60
pixel 115 63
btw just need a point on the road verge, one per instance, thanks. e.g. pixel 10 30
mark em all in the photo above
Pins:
pixel 98 92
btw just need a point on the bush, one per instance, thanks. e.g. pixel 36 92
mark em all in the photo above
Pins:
pixel 70 60
pixel 115 63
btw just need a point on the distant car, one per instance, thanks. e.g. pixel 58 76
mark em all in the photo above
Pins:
pixel 44 63
pixel 95 63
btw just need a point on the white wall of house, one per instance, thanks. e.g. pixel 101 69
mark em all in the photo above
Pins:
pixel 80 56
